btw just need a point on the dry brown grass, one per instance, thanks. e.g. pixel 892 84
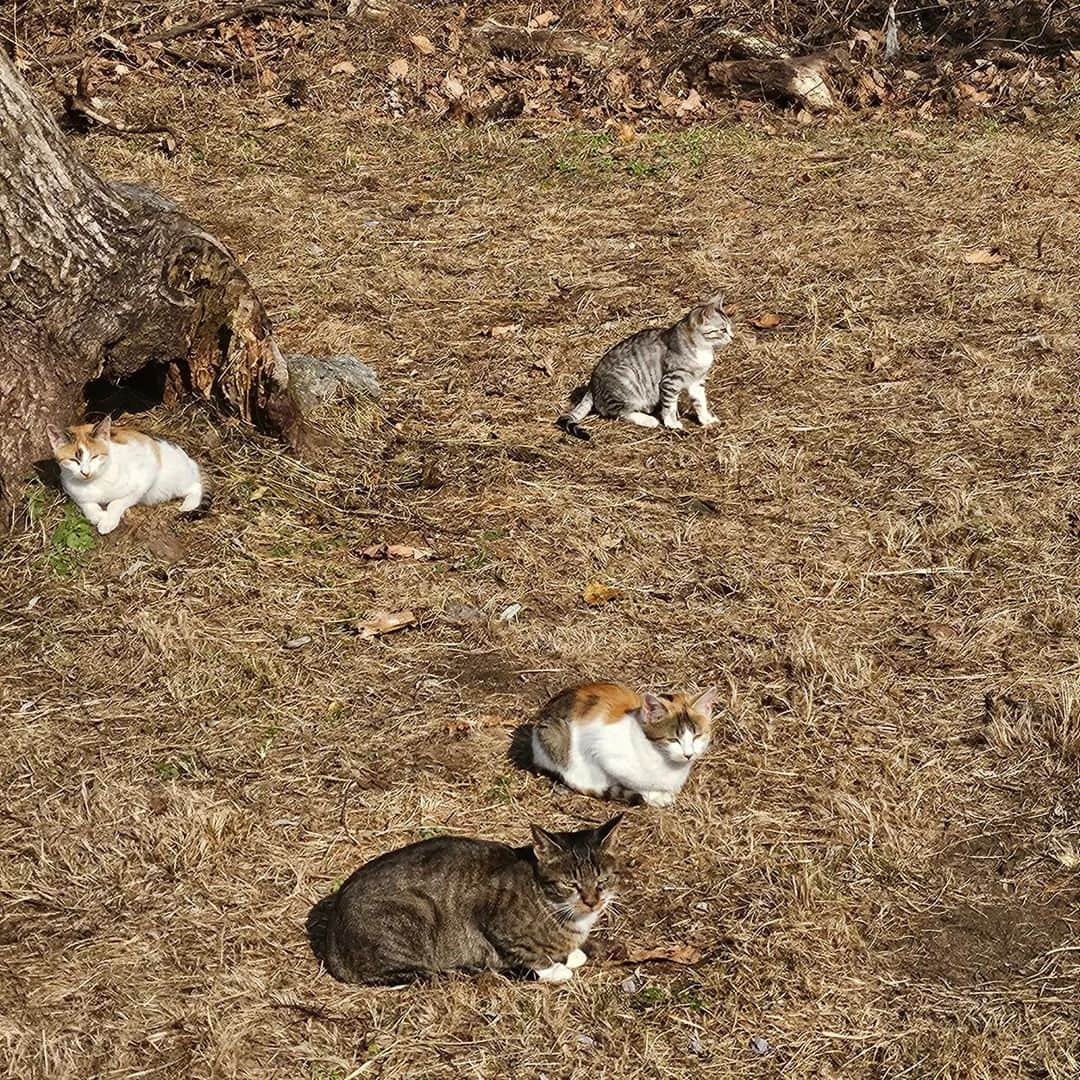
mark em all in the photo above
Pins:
pixel 880 871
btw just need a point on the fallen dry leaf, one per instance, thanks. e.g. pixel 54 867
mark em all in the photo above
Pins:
pixel 673 954
pixel 495 720
pixel 396 551
pixel 942 632
pixel 625 133
pixel 452 88
pixel 460 726
pixel 423 45
pixel 398 69
pixel 767 320
pixel 691 103
pixel 344 68
pixel 543 363
pixel 385 622
pixel 596 592
pixel 504 329
pixel 983 257
pixel 275 122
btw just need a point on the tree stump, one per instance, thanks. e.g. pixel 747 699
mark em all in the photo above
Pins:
pixel 101 282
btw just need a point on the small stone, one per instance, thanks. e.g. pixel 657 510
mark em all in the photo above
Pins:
pixel 760 1045
pixel 297 642
pixel 458 613
pixel 317 380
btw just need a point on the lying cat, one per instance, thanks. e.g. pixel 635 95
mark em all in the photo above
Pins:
pixel 452 903
pixel 608 741
pixel 650 369
pixel 106 470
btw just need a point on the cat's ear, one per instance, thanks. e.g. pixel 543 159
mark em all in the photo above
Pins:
pixel 603 833
pixel 704 702
pixel 102 429
pixel 56 436
pixel 717 302
pixel 653 708
pixel 545 845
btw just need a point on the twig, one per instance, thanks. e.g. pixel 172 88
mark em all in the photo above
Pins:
pixel 237 11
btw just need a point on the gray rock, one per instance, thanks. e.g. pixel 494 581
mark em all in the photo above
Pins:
pixel 316 380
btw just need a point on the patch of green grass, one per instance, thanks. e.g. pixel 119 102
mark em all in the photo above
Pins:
pixel 183 767
pixel 37 498
pixel 655 155
pixel 318 1071
pixel 478 561
pixel 69 542
pixel 264 744
pixel 500 790
pixel 650 998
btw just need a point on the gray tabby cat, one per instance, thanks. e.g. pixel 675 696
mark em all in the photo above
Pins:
pixel 650 369
pixel 452 903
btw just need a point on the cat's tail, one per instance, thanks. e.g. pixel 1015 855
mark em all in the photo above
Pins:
pixel 203 509
pixel 570 421
pixel 197 502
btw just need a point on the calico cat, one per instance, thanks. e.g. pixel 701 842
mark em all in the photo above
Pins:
pixel 106 470
pixel 650 369
pixel 452 903
pixel 608 741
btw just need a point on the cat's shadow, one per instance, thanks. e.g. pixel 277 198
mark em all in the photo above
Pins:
pixel 519 753
pixel 316 926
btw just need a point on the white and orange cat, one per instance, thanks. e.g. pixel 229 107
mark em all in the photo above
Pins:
pixel 611 742
pixel 106 470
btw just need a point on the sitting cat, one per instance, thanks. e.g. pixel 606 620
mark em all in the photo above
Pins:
pixel 105 470
pixel 607 741
pixel 452 903
pixel 650 369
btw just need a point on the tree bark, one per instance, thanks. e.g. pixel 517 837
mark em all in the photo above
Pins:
pixel 100 280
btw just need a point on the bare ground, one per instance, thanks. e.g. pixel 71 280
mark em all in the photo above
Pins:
pixel 878 870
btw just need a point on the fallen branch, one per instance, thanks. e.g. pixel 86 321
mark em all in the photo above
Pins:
pixel 239 68
pixel 520 41
pixel 83 108
pixel 238 11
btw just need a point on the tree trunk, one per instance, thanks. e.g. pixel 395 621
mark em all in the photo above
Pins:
pixel 102 281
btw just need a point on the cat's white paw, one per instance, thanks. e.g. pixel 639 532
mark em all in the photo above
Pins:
pixel 576 959
pixel 673 424
pixel 706 419
pixel 658 798
pixel 107 524
pixel 557 973
pixel 641 419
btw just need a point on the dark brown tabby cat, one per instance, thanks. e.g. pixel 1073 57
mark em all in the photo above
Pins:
pixel 452 903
